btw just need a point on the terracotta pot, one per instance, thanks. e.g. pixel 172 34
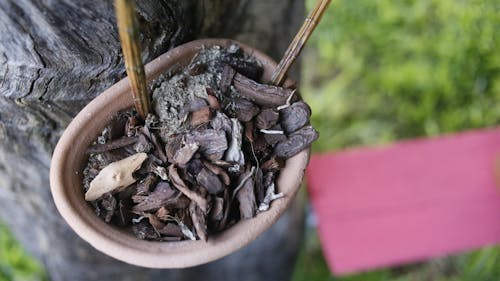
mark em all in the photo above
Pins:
pixel 69 158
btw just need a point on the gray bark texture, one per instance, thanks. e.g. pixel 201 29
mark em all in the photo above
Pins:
pixel 55 56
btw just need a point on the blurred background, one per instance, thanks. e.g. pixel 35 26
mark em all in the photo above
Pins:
pixel 376 72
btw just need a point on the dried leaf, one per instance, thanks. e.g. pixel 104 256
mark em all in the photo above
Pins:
pixel 182 187
pixel 154 221
pixel 218 171
pixel 114 176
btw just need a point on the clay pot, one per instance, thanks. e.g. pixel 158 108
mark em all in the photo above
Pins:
pixel 69 159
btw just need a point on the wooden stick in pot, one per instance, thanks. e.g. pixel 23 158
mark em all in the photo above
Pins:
pixel 128 29
pixel 298 42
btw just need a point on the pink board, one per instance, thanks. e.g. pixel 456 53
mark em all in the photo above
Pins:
pixel 408 202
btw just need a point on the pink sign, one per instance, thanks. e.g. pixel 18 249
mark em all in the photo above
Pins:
pixel 407 202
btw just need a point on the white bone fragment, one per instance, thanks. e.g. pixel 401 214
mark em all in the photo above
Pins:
pixel 116 175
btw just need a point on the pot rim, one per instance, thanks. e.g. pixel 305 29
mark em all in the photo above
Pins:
pixel 65 180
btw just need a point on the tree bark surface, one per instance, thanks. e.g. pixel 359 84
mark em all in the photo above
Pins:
pixel 57 55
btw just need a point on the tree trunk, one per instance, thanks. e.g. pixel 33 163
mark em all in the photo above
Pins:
pixel 56 56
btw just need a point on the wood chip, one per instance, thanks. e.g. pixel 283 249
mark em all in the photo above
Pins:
pixel 211 142
pixel 295 117
pixel 185 153
pixel 193 105
pixel 244 109
pixel 222 122
pixel 275 135
pixel 115 144
pixel 200 116
pixel 227 78
pixel 266 118
pixel 296 142
pixel 210 181
pixel 158 198
pixel 143 230
pixel 250 70
pixel 171 230
pixel 212 100
pixel 199 221
pixel 261 94
pixel 246 196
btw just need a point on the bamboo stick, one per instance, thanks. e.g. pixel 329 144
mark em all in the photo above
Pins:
pixel 298 42
pixel 128 29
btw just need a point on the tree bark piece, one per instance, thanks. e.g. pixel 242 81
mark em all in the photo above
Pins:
pixel 261 94
pixel 296 142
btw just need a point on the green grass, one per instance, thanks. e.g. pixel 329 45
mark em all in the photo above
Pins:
pixel 387 70
pixel 376 72
pixel 15 264
pixel 380 71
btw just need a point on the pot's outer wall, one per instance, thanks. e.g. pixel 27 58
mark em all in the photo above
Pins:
pixel 55 58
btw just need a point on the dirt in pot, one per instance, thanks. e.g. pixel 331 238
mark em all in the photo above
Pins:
pixel 208 156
